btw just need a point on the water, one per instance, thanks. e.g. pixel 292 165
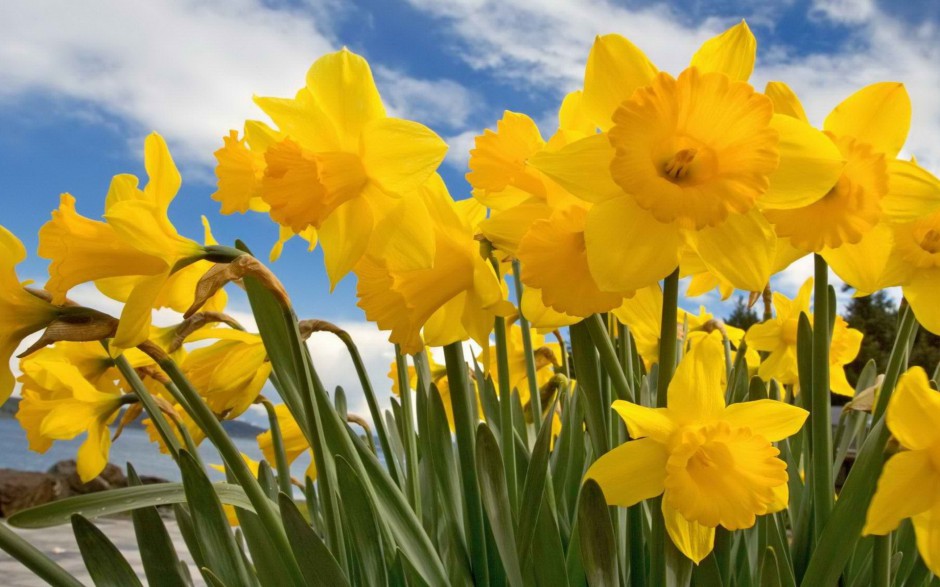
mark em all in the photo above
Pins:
pixel 133 446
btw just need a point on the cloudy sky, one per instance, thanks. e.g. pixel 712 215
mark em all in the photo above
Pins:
pixel 82 83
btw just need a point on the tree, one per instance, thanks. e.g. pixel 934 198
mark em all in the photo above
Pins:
pixel 742 316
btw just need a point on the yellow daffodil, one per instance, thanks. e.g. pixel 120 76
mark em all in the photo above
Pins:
pixel 777 336
pixel 909 486
pixel 295 442
pixel 714 464
pixel 917 254
pixel 131 257
pixel 534 218
pixel 686 161
pixel 230 372
pixel 851 225
pixel 59 404
pixel 21 313
pixel 179 417
pixel 546 357
pixel 455 299
pixel 337 163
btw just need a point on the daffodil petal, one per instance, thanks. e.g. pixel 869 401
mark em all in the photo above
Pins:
pixel 921 293
pixel 165 179
pixel 927 531
pixel 696 392
pixel 506 228
pixel 691 538
pixel 741 250
pixel 399 155
pixel 302 120
pixel 403 238
pixel 781 499
pixel 869 264
pixel 632 472
pixel 810 165
pixel 785 101
pixel 732 53
pixel 908 485
pixel 342 85
pixel 771 419
pixel 642 421
pixel 878 114
pixel 627 248
pixel 582 168
pixel 134 325
pixel 912 191
pixel 92 456
pixel 615 68
pixel 914 411
pixel 344 237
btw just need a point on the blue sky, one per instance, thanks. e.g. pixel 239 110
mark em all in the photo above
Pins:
pixel 81 84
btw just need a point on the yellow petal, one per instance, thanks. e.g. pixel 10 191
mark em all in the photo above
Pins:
pixel 869 264
pixel 134 325
pixel 342 85
pixel 582 168
pixel 164 177
pixel 344 237
pixel 691 538
pixel 741 250
pixel 572 116
pixel 642 421
pixel 399 155
pixel 302 120
pixel 810 165
pixel 632 472
pixel 145 226
pixel 927 531
pixel 615 67
pixel 505 228
pixel 92 456
pixel 914 411
pixel 921 293
pixel 627 248
pixel 404 238
pixel 541 316
pixel 732 53
pixel 774 420
pixel 781 499
pixel 879 114
pixel 912 191
pixel 696 393
pixel 909 485
pixel 785 101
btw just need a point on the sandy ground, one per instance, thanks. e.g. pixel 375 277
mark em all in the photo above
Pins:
pixel 59 544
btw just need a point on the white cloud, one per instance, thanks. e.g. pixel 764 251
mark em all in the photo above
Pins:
pixel 440 103
pixel 843 11
pixel 458 156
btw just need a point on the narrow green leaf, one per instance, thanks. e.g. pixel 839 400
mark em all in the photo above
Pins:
pixel 35 560
pixel 534 487
pixel 495 496
pixel 587 367
pixel 211 578
pixel 318 565
pixel 105 563
pixel 768 570
pixel 548 555
pixel 115 501
pixel 184 522
pixel 157 553
pixel 706 573
pixel 596 533
pixel 218 546
pixel 359 516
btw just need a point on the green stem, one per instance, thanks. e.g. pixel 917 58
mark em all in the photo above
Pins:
pixel 609 357
pixel 408 434
pixel 377 418
pixel 820 414
pixel 280 457
pixel 881 562
pixel 506 427
pixel 153 410
pixel 460 397
pixel 34 560
pixel 659 542
pixel 266 509
pixel 535 403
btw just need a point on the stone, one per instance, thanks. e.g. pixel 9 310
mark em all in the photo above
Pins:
pixel 110 478
pixel 20 490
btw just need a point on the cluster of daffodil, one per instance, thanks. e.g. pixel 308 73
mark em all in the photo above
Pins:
pixel 500 469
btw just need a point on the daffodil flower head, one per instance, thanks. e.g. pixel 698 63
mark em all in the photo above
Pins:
pixel 909 486
pixel 917 253
pixel 21 312
pixel 59 404
pixel 714 464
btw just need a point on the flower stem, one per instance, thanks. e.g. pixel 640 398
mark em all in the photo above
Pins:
pixel 820 414
pixel 409 439
pixel 280 457
pixel 609 357
pixel 535 401
pixel 506 427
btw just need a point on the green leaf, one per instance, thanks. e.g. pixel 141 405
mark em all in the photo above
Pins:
pixel 706 573
pixel 185 523
pixel 105 563
pixel 359 516
pixel 318 565
pixel 596 533
pixel 115 501
pixel 534 486
pixel 587 367
pixel 548 555
pixel 495 496
pixel 157 553
pixel 218 546
pixel 769 576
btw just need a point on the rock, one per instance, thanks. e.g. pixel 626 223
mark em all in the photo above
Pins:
pixel 110 478
pixel 24 489
pixel 151 480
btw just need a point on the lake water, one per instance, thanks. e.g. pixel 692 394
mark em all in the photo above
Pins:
pixel 133 446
